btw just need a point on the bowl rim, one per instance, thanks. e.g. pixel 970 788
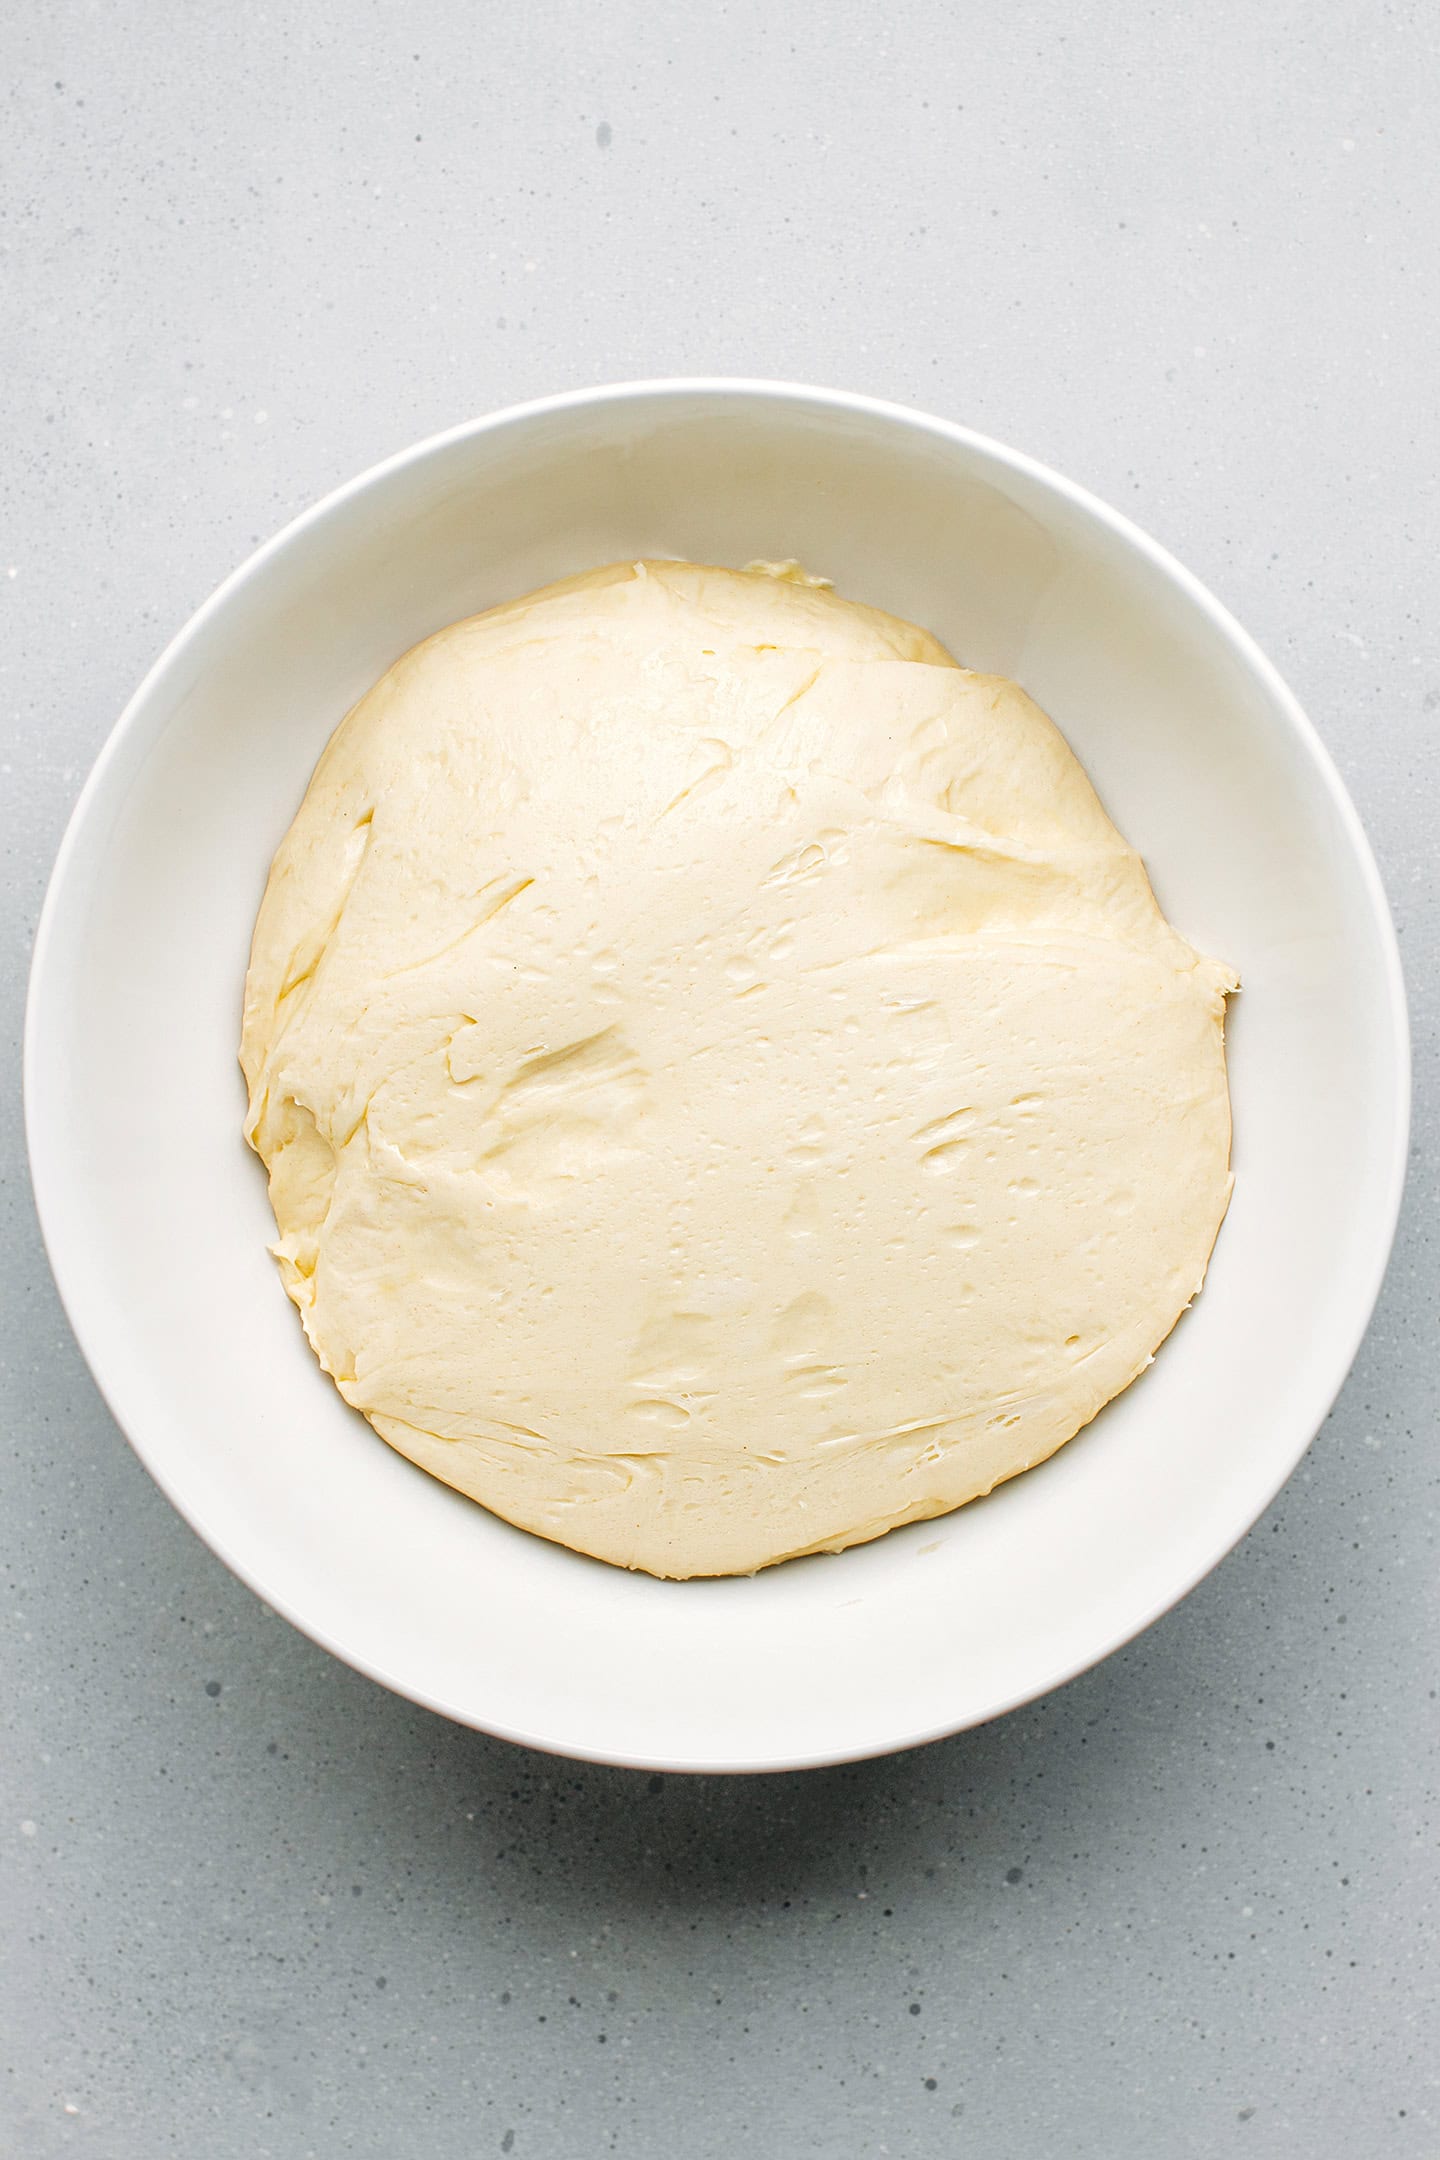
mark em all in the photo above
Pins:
pixel 1332 1364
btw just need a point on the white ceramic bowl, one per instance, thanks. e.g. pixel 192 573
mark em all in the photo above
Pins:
pixel 155 1214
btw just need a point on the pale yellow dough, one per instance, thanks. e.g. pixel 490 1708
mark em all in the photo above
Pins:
pixel 727 1087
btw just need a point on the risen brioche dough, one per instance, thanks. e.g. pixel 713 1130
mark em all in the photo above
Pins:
pixel 727 1087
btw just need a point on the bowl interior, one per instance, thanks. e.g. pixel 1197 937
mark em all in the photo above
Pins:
pixel 156 1214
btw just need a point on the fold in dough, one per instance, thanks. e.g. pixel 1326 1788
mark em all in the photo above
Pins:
pixel 727 1087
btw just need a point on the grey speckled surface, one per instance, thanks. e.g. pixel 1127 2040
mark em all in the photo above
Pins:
pixel 254 1906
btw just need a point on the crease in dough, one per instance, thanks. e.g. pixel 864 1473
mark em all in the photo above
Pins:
pixel 727 1088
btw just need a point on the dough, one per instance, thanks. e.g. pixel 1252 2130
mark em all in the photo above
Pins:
pixel 727 1087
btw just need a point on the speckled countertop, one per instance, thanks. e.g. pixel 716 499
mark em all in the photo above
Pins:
pixel 256 1909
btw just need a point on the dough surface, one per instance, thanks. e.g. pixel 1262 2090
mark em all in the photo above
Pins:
pixel 727 1087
